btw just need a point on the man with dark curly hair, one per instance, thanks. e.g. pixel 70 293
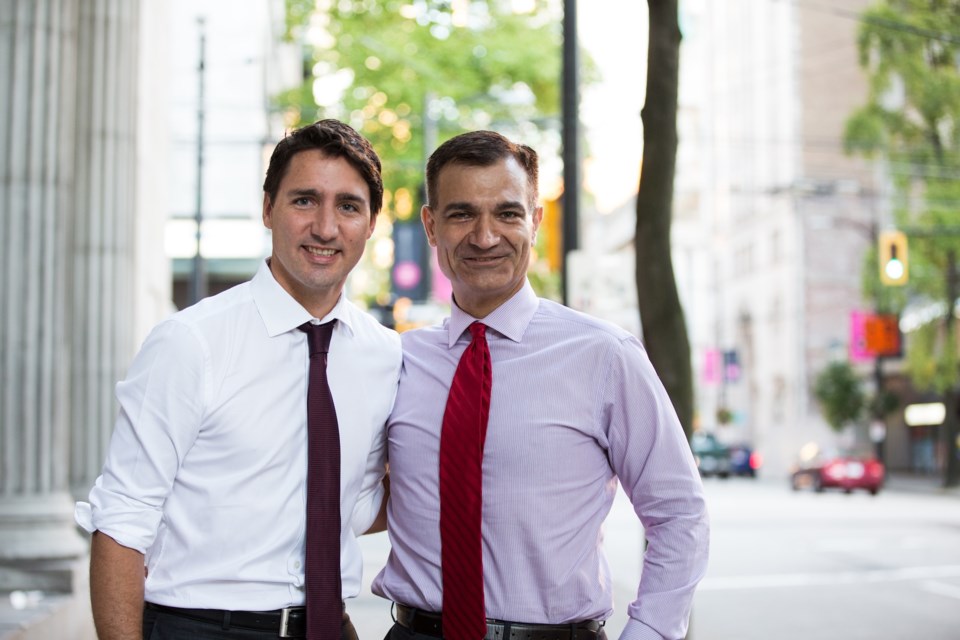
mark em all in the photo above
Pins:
pixel 201 519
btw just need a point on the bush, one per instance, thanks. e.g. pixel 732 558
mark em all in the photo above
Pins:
pixel 838 390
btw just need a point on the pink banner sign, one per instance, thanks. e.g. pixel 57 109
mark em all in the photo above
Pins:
pixel 712 366
pixel 858 337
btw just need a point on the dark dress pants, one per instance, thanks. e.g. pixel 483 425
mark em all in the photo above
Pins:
pixel 158 625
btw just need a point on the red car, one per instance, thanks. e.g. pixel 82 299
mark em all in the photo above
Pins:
pixel 846 471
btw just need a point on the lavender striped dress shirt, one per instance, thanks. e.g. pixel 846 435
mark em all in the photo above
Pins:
pixel 576 405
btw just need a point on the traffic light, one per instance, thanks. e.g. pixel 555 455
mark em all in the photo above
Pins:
pixel 893 258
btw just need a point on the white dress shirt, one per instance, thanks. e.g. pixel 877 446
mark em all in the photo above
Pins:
pixel 575 406
pixel 206 469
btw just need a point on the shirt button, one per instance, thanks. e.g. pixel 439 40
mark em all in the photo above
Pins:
pixel 296 565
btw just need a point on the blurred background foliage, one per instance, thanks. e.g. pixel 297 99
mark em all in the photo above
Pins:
pixel 910 51
pixel 409 74
pixel 838 390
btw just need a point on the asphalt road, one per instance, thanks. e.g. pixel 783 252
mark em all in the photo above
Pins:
pixel 789 566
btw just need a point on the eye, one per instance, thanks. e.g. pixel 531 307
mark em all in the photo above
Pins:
pixel 302 201
pixel 352 206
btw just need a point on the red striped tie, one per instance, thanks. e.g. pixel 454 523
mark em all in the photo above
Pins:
pixel 322 570
pixel 461 457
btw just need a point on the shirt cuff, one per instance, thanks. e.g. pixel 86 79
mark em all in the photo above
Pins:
pixel 636 630
pixel 83 514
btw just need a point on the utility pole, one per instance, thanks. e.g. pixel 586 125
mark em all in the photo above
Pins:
pixel 570 137
pixel 198 283
pixel 951 466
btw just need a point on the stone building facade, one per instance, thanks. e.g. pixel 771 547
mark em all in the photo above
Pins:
pixel 81 277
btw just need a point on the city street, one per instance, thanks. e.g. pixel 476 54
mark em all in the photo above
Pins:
pixel 790 565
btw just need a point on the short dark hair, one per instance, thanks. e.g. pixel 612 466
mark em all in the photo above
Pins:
pixel 480 149
pixel 335 139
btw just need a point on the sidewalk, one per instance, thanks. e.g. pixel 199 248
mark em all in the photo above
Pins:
pixel 913 483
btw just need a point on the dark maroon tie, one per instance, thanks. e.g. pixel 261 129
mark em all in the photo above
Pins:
pixel 322 573
pixel 461 459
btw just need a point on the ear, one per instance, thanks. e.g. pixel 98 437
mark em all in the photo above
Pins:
pixel 429 224
pixel 373 225
pixel 267 211
pixel 536 219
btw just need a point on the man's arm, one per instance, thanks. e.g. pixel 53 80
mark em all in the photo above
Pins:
pixel 652 459
pixel 116 589
pixel 380 523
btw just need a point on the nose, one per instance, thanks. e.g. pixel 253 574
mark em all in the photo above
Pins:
pixel 324 225
pixel 485 234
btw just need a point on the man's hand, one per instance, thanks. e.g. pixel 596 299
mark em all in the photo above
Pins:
pixel 116 589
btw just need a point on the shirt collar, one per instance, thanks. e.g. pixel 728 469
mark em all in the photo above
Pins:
pixel 510 319
pixel 281 313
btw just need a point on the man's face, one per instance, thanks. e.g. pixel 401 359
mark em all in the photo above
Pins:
pixel 320 221
pixel 483 225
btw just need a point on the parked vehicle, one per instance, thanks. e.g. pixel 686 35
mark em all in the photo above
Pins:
pixel 847 470
pixel 713 457
pixel 744 461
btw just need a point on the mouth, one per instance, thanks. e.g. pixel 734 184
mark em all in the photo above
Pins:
pixel 482 260
pixel 320 252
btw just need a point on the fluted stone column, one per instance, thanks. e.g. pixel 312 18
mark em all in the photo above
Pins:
pixel 101 287
pixel 67 103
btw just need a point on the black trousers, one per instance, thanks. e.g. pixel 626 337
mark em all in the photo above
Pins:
pixel 399 632
pixel 160 625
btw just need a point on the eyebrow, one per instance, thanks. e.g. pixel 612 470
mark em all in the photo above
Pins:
pixel 343 196
pixel 469 206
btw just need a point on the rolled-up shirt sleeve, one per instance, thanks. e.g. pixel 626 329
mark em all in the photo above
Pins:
pixel 652 459
pixel 161 409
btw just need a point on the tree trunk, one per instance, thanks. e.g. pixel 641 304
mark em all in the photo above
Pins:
pixel 664 329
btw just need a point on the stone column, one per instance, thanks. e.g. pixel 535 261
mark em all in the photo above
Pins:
pixel 67 101
pixel 100 284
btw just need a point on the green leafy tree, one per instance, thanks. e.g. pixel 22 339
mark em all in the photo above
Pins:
pixel 840 395
pixel 411 74
pixel 911 52
pixel 406 72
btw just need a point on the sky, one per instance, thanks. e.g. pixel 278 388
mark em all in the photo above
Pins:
pixel 614 34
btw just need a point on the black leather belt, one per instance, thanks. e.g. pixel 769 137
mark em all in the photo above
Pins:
pixel 431 624
pixel 288 623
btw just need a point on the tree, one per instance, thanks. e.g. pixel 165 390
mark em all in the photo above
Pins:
pixel 840 395
pixel 409 75
pixel 911 53
pixel 664 329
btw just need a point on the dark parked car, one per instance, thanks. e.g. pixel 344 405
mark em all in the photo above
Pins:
pixel 713 457
pixel 744 461
pixel 838 470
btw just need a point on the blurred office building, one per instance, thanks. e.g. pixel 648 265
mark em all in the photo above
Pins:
pixel 224 73
pixel 784 215
pixel 771 218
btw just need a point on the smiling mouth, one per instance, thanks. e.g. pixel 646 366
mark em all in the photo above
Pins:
pixel 324 253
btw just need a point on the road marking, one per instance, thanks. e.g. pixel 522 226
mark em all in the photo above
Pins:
pixel 941 589
pixel 829 579
pixel 849 544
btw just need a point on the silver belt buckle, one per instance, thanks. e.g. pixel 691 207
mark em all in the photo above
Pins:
pixel 284 621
